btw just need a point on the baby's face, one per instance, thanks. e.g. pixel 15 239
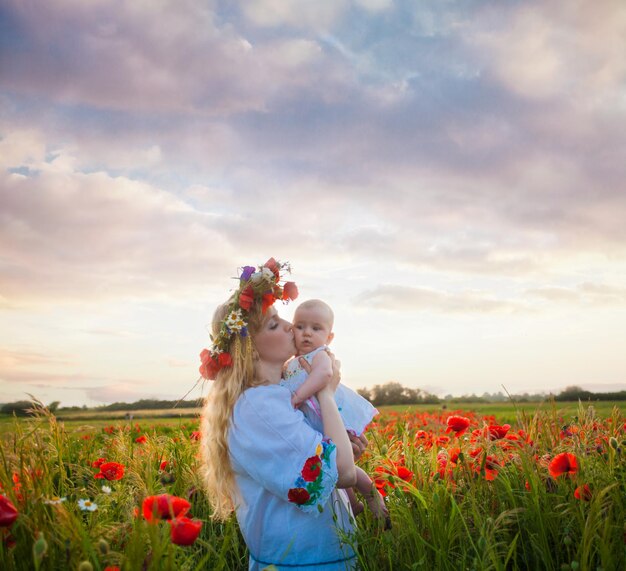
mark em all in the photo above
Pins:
pixel 312 328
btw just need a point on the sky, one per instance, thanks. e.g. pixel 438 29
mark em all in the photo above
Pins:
pixel 449 176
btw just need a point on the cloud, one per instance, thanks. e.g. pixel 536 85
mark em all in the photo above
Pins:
pixel 177 58
pixel 67 233
pixel 11 358
pixel 111 333
pixel 544 51
pixel 585 293
pixel 318 16
pixel 42 379
pixel 405 298
pixel 375 6
pixel 124 392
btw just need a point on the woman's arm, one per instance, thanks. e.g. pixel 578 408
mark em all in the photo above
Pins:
pixel 336 431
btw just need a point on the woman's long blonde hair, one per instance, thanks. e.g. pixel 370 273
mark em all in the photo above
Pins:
pixel 218 409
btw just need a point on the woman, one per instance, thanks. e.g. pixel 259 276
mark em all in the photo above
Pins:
pixel 262 459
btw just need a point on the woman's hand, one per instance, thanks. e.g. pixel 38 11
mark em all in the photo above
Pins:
pixel 336 365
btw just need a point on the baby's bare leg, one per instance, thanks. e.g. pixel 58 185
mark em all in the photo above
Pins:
pixel 355 504
pixel 374 500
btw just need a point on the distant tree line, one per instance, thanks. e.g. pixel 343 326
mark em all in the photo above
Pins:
pixel 22 408
pixel 389 393
pixel 395 393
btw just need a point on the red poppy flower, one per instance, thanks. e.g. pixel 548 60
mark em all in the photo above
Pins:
pixel 224 360
pixel 454 454
pixel 209 367
pixel 112 568
pixel 195 435
pixel 268 301
pixel 404 473
pixel 97 463
pixel 312 469
pixel 381 484
pixel 290 291
pixel 164 506
pixel 564 463
pixel 246 298
pixel 163 465
pixel 496 432
pixel 141 439
pixel 457 424
pixel 491 468
pixel 184 531
pixel 583 493
pixel 205 355
pixel 110 471
pixel 272 264
pixel 298 496
pixel 8 512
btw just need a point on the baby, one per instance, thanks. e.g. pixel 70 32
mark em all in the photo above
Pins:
pixel 312 327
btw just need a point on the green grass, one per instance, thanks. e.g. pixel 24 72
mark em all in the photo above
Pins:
pixel 509 412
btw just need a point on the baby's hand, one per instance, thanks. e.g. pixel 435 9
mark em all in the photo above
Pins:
pixel 295 400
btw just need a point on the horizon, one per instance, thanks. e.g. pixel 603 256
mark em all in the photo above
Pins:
pixel 448 177
pixel 596 390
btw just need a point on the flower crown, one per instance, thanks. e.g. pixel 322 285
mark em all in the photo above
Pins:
pixel 255 286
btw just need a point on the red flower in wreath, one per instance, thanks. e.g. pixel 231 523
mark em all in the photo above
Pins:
pixel 246 298
pixel 210 366
pixel 224 360
pixel 290 291
pixel 268 301
pixel 298 496
pixel 272 264
pixel 312 469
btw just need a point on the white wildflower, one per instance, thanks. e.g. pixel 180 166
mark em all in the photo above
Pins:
pixel 87 505
pixel 54 501
pixel 235 321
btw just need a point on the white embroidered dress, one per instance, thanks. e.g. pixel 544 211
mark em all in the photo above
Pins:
pixel 288 509
pixel 356 412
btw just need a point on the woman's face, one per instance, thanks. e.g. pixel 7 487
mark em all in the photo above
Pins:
pixel 275 341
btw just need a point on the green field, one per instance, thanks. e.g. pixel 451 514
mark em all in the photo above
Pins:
pixel 511 412
pixel 547 492
pixel 504 412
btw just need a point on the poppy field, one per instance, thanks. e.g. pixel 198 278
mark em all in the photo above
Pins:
pixel 464 490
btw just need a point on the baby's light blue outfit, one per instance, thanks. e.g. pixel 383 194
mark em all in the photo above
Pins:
pixel 356 412
pixel 289 511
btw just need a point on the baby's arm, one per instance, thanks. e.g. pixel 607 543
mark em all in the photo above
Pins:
pixel 322 370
